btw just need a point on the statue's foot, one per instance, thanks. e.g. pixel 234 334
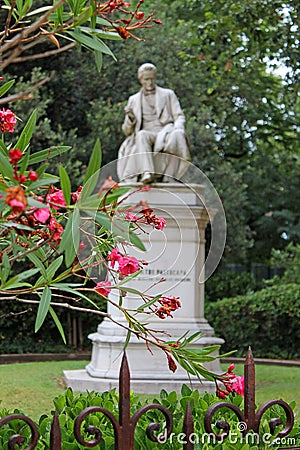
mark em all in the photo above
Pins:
pixel 147 178
pixel 130 180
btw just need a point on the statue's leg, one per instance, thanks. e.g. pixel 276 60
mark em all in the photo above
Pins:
pixel 125 168
pixel 176 155
pixel 143 158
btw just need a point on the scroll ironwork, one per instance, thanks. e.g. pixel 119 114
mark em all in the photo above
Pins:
pixel 124 426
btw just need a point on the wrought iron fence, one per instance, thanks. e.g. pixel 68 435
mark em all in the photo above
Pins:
pixel 124 426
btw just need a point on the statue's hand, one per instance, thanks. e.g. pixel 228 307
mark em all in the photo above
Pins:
pixel 130 114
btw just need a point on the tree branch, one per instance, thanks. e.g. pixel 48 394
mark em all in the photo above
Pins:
pixel 65 305
pixel 26 95
pixel 34 26
pixel 45 54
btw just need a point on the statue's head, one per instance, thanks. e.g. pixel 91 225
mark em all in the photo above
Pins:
pixel 146 69
pixel 147 75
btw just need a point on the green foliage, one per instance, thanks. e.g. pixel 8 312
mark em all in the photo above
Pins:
pixel 288 260
pixel 229 284
pixel 267 320
pixel 69 405
pixel 17 335
pixel 241 118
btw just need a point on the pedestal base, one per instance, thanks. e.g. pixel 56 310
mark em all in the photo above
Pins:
pixel 149 370
pixel 177 256
pixel 81 381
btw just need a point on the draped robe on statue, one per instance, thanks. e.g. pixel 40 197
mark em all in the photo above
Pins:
pixel 154 133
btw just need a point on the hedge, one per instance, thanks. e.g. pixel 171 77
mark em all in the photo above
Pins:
pixel 268 320
pixel 70 404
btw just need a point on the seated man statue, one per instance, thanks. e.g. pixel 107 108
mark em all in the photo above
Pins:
pixel 156 147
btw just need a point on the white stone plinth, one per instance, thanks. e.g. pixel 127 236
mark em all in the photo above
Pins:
pixel 177 255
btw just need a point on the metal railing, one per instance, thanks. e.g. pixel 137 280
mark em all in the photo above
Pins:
pixel 124 426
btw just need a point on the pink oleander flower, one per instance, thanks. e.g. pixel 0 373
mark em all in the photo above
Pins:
pixel 128 265
pixel 56 198
pixel 16 199
pixel 139 15
pixel 130 216
pixel 21 178
pixel 75 195
pixel 237 386
pixel 114 256
pixel 33 176
pixel 14 155
pixel 17 206
pixel 171 363
pixel 56 229
pixel 231 367
pixel 233 383
pixel 42 214
pixel 160 223
pixel 168 305
pixel 7 120
pixel 103 288
pixel 221 393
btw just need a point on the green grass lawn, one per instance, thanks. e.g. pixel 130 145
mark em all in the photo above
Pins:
pixel 275 382
pixel 31 387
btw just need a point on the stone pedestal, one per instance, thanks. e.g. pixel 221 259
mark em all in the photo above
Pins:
pixel 176 255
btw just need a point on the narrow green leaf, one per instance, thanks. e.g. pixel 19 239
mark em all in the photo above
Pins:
pixel 58 324
pixel 128 336
pixel 65 184
pixel 131 290
pixel 42 181
pixel 91 43
pixel 194 336
pixel 47 153
pixel 129 277
pixel 102 34
pixel 39 10
pixel 94 163
pixel 68 288
pixel 119 228
pixel 98 60
pixel 67 235
pixel 54 266
pixel 27 132
pixel 113 195
pixel 71 238
pixel 43 308
pixel 6 87
pixel 88 202
pixel 17 280
pixel 18 226
pixel 25 160
pixel 136 241
pixel 36 204
pixel 5 167
pixel 150 303
pixel 3 148
pixel 5 268
pixel 38 263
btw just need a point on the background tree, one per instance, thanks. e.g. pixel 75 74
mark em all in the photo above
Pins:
pixel 242 114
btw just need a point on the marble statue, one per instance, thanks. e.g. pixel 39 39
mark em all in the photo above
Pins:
pixel 156 147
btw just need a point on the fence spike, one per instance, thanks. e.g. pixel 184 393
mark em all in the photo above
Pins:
pixel 188 428
pixel 55 433
pixel 249 390
pixel 125 435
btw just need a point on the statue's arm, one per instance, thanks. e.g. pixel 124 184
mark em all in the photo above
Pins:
pixel 130 119
pixel 177 112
